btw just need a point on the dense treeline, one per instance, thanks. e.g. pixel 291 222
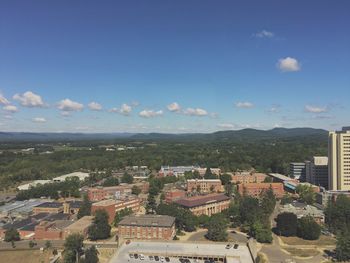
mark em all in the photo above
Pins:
pixel 263 155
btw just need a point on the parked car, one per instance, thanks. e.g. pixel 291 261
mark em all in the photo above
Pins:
pixel 228 246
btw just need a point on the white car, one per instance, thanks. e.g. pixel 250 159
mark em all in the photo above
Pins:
pixel 142 257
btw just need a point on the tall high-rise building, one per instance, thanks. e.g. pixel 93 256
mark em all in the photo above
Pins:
pixel 317 171
pixel 339 159
pixel 297 171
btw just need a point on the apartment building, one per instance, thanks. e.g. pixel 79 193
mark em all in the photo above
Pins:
pixel 173 195
pixel 147 227
pixel 339 159
pixel 255 189
pixel 205 204
pixel 204 185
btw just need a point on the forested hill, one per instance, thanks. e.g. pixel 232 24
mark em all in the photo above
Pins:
pixel 240 135
pixel 237 135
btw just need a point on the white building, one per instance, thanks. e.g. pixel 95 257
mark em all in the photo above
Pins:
pixel 80 175
pixel 339 159
pixel 32 184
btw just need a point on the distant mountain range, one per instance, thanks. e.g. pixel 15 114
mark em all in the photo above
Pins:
pixel 240 135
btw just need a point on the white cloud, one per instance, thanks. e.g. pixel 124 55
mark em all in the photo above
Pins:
pixel 39 120
pixel 95 106
pixel 226 126
pixel 10 108
pixel 65 113
pixel 8 117
pixel 150 113
pixel 245 105
pixel 125 109
pixel 3 100
pixel 275 109
pixel 195 112
pixel 174 107
pixel 29 99
pixel 264 34
pixel 288 64
pixel 69 105
pixel 315 109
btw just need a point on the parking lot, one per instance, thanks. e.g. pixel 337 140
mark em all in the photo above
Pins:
pixel 181 252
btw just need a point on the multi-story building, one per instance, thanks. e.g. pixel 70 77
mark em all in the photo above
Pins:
pixel 112 206
pixel 255 189
pixel 247 177
pixel 205 204
pixel 80 226
pixel 317 171
pixel 323 197
pixel 339 159
pixel 156 227
pixel 48 207
pixel 175 170
pixel 297 170
pixel 173 195
pixel 204 185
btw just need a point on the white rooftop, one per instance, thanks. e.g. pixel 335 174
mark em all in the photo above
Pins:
pixel 80 175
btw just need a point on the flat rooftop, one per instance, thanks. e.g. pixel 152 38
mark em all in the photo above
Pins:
pixel 201 200
pixel 175 249
pixel 148 220
pixel 81 223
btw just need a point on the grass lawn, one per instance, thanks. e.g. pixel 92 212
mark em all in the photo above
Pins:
pixel 105 254
pixel 322 241
pixel 28 256
pixel 302 252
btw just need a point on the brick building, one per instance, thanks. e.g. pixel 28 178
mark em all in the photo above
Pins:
pixel 79 227
pixel 255 189
pixel 205 205
pixel 204 185
pixel 48 207
pixel 173 195
pixel 47 230
pixel 247 177
pixel 112 206
pixel 156 227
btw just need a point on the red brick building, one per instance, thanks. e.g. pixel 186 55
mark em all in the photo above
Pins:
pixel 147 227
pixel 205 204
pixel 255 189
pixel 112 206
pixel 204 185
pixel 51 230
pixel 248 177
pixel 173 195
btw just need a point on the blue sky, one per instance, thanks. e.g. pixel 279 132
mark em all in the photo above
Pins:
pixel 173 66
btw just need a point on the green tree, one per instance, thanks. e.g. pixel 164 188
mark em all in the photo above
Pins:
pixel 11 235
pixel 261 232
pixel 31 244
pixel 85 209
pixel 100 228
pixel 73 248
pixel 287 224
pixel 268 179
pixel 225 179
pixel 306 193
pixel 127 178
pixel 209 175
pixel 111 181
pixel 337 214
pixel 308 229
pixel 268 201
pixel 91 255
pixel 135 190
pixel 217 228
pixel 121 214
pixel 151 204
pixel 48 244
pixel 286 199
pixel 342 250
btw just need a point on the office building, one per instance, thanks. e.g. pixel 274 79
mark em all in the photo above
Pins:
pixel 317 171
pixel 255 189
pixel 204 185
pixel 297 171
pixel 339 159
